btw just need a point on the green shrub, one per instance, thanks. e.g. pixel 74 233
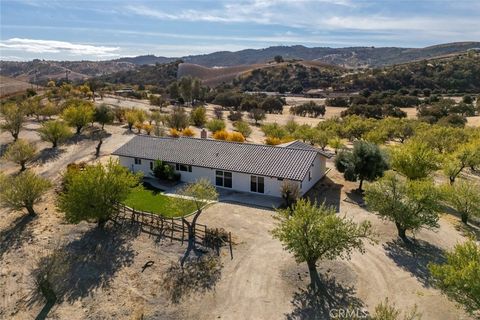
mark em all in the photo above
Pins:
pixel 215 125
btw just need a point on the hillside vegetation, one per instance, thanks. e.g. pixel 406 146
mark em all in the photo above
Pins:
pixel 459 73
pixel 288 77
pixel 352 57
pixel 347 57
pixel 214 76
pixel 52 70
pixel 159 75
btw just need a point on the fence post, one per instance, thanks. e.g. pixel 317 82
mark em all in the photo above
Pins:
pixel 205 243
pixel 183 231
pixel 230 242
pixel 173 226
pixel 216 243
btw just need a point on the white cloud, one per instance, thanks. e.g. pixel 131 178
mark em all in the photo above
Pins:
pixel 315 15
pixel 52 46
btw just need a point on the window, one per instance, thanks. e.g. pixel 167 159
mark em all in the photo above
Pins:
pixel 151 165
pixel 257 184
pixel 223 179
pixel 309 176
pixel 138 161
pixel 183 167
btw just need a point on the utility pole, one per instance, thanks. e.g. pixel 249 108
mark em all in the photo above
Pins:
pixel 36 82
pixel 66 74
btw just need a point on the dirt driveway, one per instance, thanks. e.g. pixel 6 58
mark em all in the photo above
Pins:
pixel 251 286
pixel 264 282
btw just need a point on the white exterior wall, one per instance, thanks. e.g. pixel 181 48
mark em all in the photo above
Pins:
pixel 240 181
pixel 317 171
pixel 143 167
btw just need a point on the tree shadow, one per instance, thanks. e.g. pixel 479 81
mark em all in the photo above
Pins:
pixel 198 275
pixel 127 132
pixel 98 133
pixel 78 268
pixel 326 191
pixel 355 197
pixel 77 138
pixel 3 148
pixel 323 305
pixel 468 230
pixel 415 257
pixel 49 154
pixel 12 238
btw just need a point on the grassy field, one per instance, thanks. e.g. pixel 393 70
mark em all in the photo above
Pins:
pixel 153 201
pixel 10 86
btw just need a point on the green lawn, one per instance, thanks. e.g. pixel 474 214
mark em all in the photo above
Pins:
pixel 151 201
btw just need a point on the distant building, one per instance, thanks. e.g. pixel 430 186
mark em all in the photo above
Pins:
pixel 125 91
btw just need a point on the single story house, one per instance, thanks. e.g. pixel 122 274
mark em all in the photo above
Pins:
pixel 244 167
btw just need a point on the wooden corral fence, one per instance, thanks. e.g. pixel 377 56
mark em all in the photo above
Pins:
pixel 173 228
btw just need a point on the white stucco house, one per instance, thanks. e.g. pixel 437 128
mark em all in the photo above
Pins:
pixel 244 167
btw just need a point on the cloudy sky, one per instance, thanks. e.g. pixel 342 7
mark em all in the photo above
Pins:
pixel 104 29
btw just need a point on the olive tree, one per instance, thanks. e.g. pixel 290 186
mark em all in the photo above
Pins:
pixel 199 193
pixel 23 191
pixel 365 162
pixel 131 116
pixel 178 119
pixel 55 132
pixel 388 311
pixel 464 197
pixel 467 155
pixel 459 276
pixel 13 118
pixel 21 152
pixel 198 116
pixel 414 159
pixel 94 192
pixel 257 115
pixel 314 232
pixel 410 204
pixel 78 113
pixel 103 115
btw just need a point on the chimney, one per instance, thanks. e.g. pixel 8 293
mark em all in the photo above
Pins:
pixel 203 134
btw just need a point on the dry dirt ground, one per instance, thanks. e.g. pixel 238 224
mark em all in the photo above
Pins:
pixel 257 135
pixel 262 281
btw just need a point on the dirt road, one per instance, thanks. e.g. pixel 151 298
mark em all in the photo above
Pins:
pixel 251 286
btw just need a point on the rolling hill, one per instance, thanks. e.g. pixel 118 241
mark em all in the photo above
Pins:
pixel 264 77
pixel 52 70
pixel 347 57
pixel 9 86
pixel 216 75
pixel 226 66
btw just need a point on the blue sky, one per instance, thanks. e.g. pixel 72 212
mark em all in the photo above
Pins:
pixel 104 29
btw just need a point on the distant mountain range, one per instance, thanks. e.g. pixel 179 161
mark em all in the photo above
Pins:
pixel 346 57
pixel 352 57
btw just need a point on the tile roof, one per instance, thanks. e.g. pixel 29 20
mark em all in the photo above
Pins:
pixel 272 161
pixel 297 144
